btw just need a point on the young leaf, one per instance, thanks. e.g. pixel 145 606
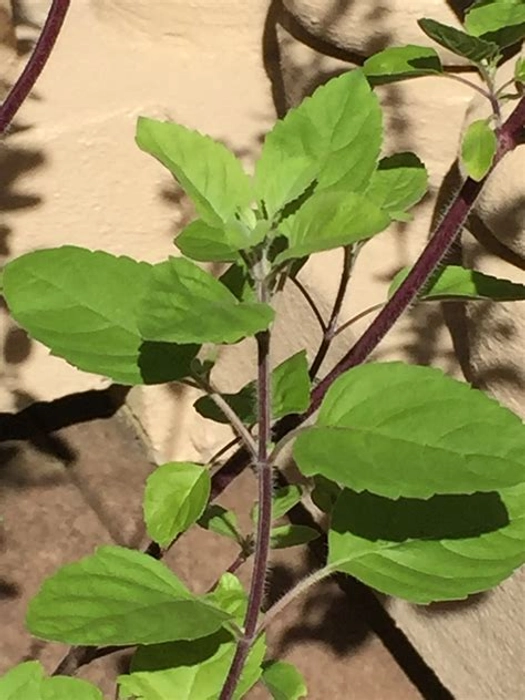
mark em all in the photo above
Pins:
pixel 230 596
pixel 519 70
pixel 185 304
pixel 460 43
pixel 283 681
pixel 338 130
pixel 221 521
pixel 285 536
pixel 401 62
pixel 445 548
pixel 280 180
pixel 325 493
pixel 290 386
pixel 329 220
pixel 399 182
pixel 478 149
pixel 119 596
pixel 83 306
pixel 176 495
pixel 284 499
pixel 411 431
pixel 455 282
pixel 500 22
pixel 207 171
pixel 190 670
pixel 27 682
pixel 200 241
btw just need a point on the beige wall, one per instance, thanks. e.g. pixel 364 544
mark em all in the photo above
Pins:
pixel 74 175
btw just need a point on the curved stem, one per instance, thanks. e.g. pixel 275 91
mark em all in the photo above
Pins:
pixel 311 303
pixel 38 59
pixel 453 76
pixel 359 316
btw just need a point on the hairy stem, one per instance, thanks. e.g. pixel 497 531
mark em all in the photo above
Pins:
pixel 264 521
pixel 38 59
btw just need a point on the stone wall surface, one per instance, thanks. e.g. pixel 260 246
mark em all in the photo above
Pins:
pixel 72 174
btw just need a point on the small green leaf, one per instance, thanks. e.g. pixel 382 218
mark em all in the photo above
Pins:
pixel 455 282
pixel 208 172
pixel 329 220
pixel 338 130
pixel 290 386
pixel 444 548
pixel 325 493
pixel 283 500
pixel 119 596
pixel 460 43
pixel 83 306
pixel 399 182
pixel 200 241
pixel 185 304
pixel 176 495
pixel 519 70
pixel 280 180
pixel 27 682
pixel 221 521
pixel 411 431
pixel 283 681
pixel 244 403
pixel 190 670
pixel 401 62
pixel 285 536
pixel 499 21
pixel 478 149
pixel 230 596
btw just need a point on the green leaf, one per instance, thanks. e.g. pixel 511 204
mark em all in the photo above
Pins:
pixel 244 403
pixel 519 70
pixel 283 500
pixel 460 43
pixel 478 149
pixel 455 282
pixel 280 180
pixel 283 681
pixel 285 536
pixel 501 21
pixel 401 62
pixel 83 306
pixel 403 430
pixel 221 521
pixel 200 241
pixel 329 220
pixel 230 596
pixel 290 386
pixel 445 548
pixel 190 670
pixel 185 304
pixel 237 279
pixel 27 682
pixel 119 596
pixel 338 130
pixel 399 182
pixel 325 493
pixel 207 171
pixel 175 498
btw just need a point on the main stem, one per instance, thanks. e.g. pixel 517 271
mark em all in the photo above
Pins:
pixel 264 522
pixel 38 59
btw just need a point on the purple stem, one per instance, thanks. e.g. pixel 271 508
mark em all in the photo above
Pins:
pixel 44 46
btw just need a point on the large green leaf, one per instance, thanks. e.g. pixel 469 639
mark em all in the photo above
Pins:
pixel 208 172
pixel 185 304
pixel 119 596
pixel 498 21
pixel 459 42
pixel 399 182
pixel 176 495
pixel 478 149
pixel 403 430
pixel 281 179
pixel 329 220
pixel 455 282
pixel 200 241
pixel 27 682
pixel 445 548
pixel 338 130
pixel 83 306
pixel 401 62
pixel 283 681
